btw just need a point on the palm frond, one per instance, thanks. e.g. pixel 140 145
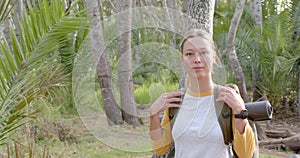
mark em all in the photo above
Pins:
pixel 5 8
pixel 27 72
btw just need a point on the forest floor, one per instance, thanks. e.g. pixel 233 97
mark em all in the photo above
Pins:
pixel 70 138
pixel 283 121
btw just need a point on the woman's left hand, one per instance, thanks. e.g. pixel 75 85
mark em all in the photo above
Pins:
pixel 232 98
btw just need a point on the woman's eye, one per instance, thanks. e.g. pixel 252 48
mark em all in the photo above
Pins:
pixel 188 54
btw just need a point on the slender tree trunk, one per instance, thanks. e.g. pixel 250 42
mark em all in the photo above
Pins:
pixel 234 62
pixel 298 93
pixel 136 35
pixel 202 14
pixel 185 6
pixel 173 9
pixel 18 9
pixel 129 110
pixel 217 3
pixel 103 69
pixel 297 19
pixel 257 94
pixel 256 14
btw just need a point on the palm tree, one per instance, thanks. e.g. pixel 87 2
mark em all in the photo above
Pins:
pixel 278 51
pixel 202 14
pixel 129 109
pixel 234 61
pixel 270 50
pixel 103 68
pixel 31 69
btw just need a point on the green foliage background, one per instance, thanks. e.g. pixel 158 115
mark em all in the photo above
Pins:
pixel 38 56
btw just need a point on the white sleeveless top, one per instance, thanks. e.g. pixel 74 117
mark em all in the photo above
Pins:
pixel 196 131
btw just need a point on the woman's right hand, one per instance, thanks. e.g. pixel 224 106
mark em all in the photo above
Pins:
pixel 166 100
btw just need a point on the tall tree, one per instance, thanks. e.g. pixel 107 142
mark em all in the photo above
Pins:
pixel 102 66
pixel 202 15
pixel 256 14
pixel 129 109
pixel 295 40
pixel 298 90
pixel 185 6
pixel 171 8
pixel 233 60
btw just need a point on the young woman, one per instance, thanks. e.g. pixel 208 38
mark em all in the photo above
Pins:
pixel 196 131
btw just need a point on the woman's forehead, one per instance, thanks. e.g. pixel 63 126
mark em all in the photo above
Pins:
pixel 196 43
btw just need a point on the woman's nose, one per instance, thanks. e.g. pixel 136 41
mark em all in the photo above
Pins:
pixel 198 58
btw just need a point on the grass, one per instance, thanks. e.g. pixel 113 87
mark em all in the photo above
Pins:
pixel 90 147
pixel 267 156
pixel 148 93
pixel 85 145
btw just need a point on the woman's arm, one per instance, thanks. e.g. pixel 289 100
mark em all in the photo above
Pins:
pixel 243 143
pixel 160 132
pixel 161 138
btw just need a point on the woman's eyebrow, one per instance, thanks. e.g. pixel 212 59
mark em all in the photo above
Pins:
pixel 201 49
pixel 188 49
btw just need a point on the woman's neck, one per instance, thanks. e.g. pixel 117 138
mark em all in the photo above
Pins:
pixel 201 85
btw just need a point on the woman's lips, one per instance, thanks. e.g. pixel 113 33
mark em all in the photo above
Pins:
pixel 198 68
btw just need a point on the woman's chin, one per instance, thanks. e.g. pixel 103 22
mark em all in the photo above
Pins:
pixel 200 76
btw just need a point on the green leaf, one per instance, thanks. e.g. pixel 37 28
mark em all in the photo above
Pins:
pixel 27 73
pixel 5 9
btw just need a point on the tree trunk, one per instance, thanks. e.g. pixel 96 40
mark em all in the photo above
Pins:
pixel 218 3
pixel 285 133
pixel 202 15
pixel 299 92
pixel 292 143
pixel 129 110
pixel 136 33
pixel 185 6
pixel 256 12
pixel 234 62
pixel 297 19
pixel 172 10
pixel 257 91
pixel 103 69
pixel 18 9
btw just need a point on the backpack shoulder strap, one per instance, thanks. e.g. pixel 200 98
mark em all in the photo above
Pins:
pixel 172 115
pixel 224 114
pixel 173 111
